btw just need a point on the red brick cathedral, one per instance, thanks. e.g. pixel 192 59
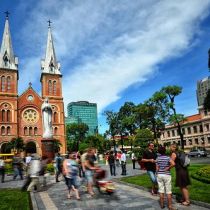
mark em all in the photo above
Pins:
pixel 21 115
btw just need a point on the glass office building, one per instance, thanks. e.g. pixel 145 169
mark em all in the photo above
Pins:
pixel 84 112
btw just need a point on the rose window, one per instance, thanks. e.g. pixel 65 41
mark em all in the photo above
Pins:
pixel 30 116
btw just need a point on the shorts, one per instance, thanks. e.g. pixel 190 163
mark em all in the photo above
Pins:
pixel 71 182
pixel 164 183
pixel 152 176
pixel 89 176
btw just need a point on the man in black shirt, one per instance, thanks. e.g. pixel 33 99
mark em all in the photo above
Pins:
pixel 111 160
pixel 149 159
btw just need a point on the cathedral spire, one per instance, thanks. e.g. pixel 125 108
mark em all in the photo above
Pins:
pixel 7 58
pixel 50 64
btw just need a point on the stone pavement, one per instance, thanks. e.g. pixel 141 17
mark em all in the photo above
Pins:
pixel 54 197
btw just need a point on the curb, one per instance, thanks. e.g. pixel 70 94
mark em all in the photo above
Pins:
pixel 33 202
pixel 197 203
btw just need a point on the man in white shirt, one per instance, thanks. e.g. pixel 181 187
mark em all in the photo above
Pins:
pixel 123 163
pixel 133 158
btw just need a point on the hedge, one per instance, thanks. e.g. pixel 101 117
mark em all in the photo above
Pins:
pixel 202 174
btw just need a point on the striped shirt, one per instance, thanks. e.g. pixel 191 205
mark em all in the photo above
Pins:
pixel 163 162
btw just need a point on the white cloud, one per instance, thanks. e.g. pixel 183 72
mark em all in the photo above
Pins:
pixel 106 46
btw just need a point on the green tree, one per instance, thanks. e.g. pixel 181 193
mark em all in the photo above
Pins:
pixel 16 144
pixel 112 120
pixel 56 145
pixel 171 92
pixel 77 132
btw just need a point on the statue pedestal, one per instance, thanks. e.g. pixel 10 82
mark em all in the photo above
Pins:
pixel 48 148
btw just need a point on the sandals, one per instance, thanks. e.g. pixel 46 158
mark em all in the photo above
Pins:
pixel 186 203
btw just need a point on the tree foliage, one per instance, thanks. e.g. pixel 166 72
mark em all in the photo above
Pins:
pixel 16 144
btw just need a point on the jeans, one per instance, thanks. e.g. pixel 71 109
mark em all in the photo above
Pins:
pixel 112 169
pixel 123 165
pixel 152 176
pixel 2 172
pixel 17 171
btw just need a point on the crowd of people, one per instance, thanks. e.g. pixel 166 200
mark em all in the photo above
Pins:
pixel 78 166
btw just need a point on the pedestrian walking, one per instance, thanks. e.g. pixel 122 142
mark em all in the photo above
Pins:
pixel 17 164
pixel 149 159
pixel 70 170
pixel 2 169
pixel 58 166
pixel 34 171
pixel 182 176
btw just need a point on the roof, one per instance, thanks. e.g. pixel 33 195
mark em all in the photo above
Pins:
pixel 193 118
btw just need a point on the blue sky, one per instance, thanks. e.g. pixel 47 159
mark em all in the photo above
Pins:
pixel 114 51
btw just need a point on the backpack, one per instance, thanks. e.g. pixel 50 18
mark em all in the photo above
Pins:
pixel 184 160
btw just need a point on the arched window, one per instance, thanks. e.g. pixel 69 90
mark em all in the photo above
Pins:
pixel 8 83
pixel 50 87
pixel 8 130
pixel 2 130
pixel 55 117
pixel 8 116
pixel 3 83
pixel 25 131
pixel 3 115
pixel 55 131
pixel 30 131
pixel 54 87
pixel 35 131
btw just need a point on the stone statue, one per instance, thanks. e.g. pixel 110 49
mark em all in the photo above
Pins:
pixel 47 120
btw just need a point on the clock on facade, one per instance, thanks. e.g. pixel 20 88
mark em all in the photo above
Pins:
pixel 30 116
pixel 30 98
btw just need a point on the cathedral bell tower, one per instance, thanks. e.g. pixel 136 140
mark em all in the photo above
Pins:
pixel 8 87
pixel 51 81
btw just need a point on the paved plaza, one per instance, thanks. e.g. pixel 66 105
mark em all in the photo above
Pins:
pixel 54 196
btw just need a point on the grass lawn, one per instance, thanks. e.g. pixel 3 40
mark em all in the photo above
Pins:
pixel 14 199
pixel 198 190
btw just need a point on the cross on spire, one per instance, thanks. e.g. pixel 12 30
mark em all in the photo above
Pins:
pixel 49 23
pixel 7 14
pixel 30 84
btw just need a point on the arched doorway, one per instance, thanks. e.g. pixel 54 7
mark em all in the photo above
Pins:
pixel 4 148
pixel 30 147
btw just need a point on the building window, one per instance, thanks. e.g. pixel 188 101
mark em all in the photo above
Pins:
pixel 184 142
pixel 206 127
pixel 208 140
pixel 195 129
pixel 54 87
pixel 168 133
pixel 30 131
pixel 205 113
pixel 183 131
pixel 190 141
pixel 196 141
pixel 25 131
pixel 8 116
pixel 50 86
pixel 55 131
pixel 2 130
pixel 3 84
pixel 8 83
pixel 3 115
pixel 201 129
pixel 189 130
pixel 173 133
pixel 55 117
pixel 8 130
pixel 35 131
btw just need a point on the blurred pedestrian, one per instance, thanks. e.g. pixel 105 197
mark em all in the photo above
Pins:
pixel 58 166
pixel 17 164
pixel 70 170
pixel 2 169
